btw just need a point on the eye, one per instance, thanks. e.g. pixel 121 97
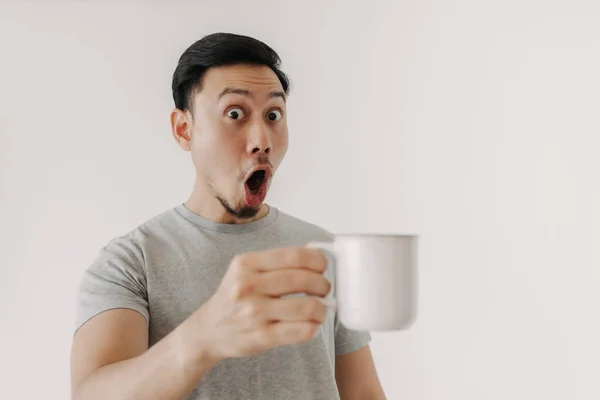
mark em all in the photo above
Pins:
pixel 235 113
pixel 274 115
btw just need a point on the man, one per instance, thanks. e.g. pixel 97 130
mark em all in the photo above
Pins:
pixel 218 298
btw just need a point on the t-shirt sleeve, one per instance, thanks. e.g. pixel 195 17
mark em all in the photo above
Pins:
pixel 347 341
pixel 116 279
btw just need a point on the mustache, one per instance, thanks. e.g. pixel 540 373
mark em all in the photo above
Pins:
pixel 260 161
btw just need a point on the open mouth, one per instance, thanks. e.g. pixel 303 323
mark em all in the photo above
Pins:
pixel 256 181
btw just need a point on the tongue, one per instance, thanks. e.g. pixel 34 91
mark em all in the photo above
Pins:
pixel 256 197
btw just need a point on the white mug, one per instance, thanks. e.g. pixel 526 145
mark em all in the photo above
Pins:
pixel 376 280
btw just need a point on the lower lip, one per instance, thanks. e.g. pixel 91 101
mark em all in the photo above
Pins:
pixel 255 199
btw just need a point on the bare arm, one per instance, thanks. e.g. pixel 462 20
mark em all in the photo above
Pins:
pixel 110 360
pixel 356 376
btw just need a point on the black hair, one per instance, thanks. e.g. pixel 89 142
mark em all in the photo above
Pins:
pixel 220 49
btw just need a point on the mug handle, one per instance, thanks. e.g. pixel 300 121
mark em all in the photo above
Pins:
pixel 329 247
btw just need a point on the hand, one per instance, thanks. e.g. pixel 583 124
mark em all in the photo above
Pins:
pixel 247 315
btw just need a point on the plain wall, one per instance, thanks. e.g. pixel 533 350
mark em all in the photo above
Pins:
pixel 471 123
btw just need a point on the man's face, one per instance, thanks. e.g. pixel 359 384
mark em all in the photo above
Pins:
pixel 239 128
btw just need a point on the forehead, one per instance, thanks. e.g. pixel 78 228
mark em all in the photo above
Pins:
pixel 257 79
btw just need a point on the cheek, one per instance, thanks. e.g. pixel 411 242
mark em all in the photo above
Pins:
pixel 205 161
pixel 207 142
pixel 199 153
pixel 216 156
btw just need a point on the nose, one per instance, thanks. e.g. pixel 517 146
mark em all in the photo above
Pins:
pixel 259 138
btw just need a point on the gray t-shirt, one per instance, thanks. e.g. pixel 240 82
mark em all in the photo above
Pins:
pixel 170 265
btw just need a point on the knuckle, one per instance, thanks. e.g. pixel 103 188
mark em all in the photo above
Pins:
pixel 242 288
pixel 253 309
pixel 294 257
pixel 308 332
pixel 318 259
pixel 300 280
pixel 265 337
pixel 322 285
pixel 268 334
pixel 327 285
pixel 313 308
pixel 239 262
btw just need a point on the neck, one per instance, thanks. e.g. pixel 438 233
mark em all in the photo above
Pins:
pixel 204 203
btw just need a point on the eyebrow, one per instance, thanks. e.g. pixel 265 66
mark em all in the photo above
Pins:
pixel 245 92
pixel 277 93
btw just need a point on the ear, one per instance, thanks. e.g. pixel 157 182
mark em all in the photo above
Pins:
pixel 181 126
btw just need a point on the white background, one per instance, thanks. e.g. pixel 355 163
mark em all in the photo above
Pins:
pixel 474 124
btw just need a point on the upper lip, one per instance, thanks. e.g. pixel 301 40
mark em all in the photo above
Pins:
pixel 263 167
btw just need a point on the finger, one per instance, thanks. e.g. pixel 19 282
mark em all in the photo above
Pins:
pixel 286 333
pixel 296 309
pixel 292 280
pixel 286 257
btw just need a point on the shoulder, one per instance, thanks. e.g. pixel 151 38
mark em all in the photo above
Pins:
pixel 155 231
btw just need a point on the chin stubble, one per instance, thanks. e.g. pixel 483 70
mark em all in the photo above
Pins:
pixel 240 212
